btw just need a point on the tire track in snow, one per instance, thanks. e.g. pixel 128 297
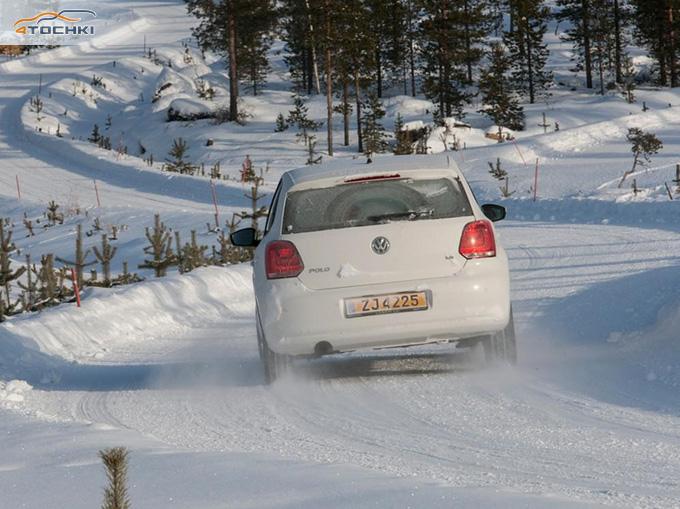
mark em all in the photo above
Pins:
pixel 519 430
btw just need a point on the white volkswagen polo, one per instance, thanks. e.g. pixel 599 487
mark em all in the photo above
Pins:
pixel 389 254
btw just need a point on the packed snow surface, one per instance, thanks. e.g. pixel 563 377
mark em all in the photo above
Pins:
pixel 169 367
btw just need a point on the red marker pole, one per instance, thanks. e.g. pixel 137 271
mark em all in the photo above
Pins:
pixel 536 180
pixel 76 290
pixel 214 199
pixel 18 187
pixel 96 192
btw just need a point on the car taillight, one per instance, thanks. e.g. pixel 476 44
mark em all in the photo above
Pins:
pixel 477 240
pixel 282 260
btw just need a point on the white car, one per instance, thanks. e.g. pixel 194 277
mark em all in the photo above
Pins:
pixel 389 254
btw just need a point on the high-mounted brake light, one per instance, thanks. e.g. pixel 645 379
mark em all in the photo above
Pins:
pixel 370 178
pixel 477 240
pixel 282 260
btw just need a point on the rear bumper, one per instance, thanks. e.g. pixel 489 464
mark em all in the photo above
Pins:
pixel 474 302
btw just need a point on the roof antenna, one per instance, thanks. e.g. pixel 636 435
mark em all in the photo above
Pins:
pixel 448 161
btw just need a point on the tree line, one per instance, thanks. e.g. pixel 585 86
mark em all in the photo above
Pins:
pixel 451 51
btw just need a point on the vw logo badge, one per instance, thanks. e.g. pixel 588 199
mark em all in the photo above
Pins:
pixel 380 245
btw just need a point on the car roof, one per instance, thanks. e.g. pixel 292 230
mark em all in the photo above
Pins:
pixel 350 167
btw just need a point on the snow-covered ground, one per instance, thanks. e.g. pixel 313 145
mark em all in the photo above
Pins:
pixel 169 368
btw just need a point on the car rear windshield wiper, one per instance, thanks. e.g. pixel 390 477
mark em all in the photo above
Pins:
pixel 410 215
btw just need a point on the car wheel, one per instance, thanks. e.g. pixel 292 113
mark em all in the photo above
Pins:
pixel 502 346
pixel 274 364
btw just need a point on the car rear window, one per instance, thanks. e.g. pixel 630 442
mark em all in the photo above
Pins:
pixel 374 202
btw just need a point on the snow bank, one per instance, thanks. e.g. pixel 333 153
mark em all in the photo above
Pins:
pixel 659 347
pixel 146 311
pixel 14 391
pixel 189 109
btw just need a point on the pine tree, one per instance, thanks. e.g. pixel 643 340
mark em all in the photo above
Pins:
pixel 239 30
pixel 105 255
pixel 299 117
pixel 7 273
pixel 528 51
pixel 95 136
pixel 160 248
pixel 597 31
pixel 191 255
pixel 116 464
pixel 281 124
pixel 643 146
pixel 373 131
pixel 178 162
pixel 498 97
pixel 79 262
pixel 579 15
pixel 442 45
pixel 53 214
pixel 657 26
pixel 301 45
pixel 50 292
pixel 403 144
pixel 29 286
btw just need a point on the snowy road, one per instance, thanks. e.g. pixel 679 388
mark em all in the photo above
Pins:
pixel 590 415
pixel 573 420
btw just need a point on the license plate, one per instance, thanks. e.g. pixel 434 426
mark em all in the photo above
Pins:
pixel 387 303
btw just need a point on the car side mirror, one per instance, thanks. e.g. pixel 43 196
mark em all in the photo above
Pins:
pixel 494 212
pixel 247 237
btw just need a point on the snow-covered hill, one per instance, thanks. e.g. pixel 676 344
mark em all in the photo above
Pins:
pixel 169 367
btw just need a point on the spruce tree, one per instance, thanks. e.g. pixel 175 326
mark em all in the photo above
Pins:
pixel 403 144
pixel 579 15
pixel 298 116
pixel 498 97
pixel 160 248
pixel 281 124
pixel 442 47
pixel 373 131
pixel 528 51
pixel 354 59
pixel 95 136
pixel 597 32
pixel 657 26
pixel 116 464
pixel 79 262
pixel 177 162
pixel 7 273
pixel 240 30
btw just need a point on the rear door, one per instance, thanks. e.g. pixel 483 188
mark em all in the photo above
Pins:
pixel 378 230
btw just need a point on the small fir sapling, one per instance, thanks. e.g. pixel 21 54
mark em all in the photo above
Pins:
pixel 402 142
pixel 176 161
pixel 28 224
pixel 373 133
pixel 160 248
pixel 105 255
pixel 37 105
pixel 497 170
pixel 95 135
pixel 116 464
pixel 7 274
pixel 281 124
pixel 643 146
pixel 53 214
pixel 193 255
pixel 51 282
pixel 80 262
pixel 312 155
pixel 298 117
pixel 29 286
